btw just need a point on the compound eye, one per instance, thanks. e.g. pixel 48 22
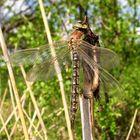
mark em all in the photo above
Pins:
pixel 84 26
pixel 77 25
pixel 80 25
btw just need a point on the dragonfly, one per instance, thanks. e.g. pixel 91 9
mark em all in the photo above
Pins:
pixel 90 63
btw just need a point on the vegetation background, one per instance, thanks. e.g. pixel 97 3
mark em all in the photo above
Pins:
pixel 118 24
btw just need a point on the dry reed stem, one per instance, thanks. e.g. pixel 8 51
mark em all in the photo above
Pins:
pixel 34 102
pixel 32 122
pixel 2 101
pixel 6 131
pixel 57 112
pixel 12 113
pixel 37 126
pixel 4 125
pixel 12 97
pixel 42 112
pixel 132 124
pixel 33 125
pixel 11 75
pixel 57 68
pixel 14 127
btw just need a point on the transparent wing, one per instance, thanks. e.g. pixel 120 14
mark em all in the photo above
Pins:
pixel 108 59
pixel 42 60
pixel 107 81
pixel 46 70
pixel 37 55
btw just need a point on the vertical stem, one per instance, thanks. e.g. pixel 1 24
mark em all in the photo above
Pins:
pixel 57 68
pixel 132 124
pixel 3 98
pixel 12 97
pixel 86 107
pixel 11 75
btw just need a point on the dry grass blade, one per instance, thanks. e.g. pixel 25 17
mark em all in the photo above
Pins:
pixel 31 122
pixel 8 136
pixel 33 125
pixel 12 113
pixel 2 101
pixel 34 103
pixel 14 127
pixel 11 75
pixel 132 124
pixel 9 118
pixel 57 68
pixel 12 97
pixel 17 119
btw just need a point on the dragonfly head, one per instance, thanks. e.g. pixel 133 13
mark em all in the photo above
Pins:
pixel 82 25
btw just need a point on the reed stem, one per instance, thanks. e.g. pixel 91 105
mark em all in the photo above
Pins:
pixel 57 68
pixel 132 124
pixel 11 75
pixel 34 103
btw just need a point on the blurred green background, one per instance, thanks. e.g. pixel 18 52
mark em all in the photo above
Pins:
pixel 117 22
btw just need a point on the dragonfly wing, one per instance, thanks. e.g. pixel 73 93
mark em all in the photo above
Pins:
pixel 108 59
pixel 42 60
pixel 24 56
pixel 105 78
pixel 37 55
pixel 46 70
pixel 39 71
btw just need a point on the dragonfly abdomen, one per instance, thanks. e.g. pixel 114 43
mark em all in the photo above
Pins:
pixel 75 86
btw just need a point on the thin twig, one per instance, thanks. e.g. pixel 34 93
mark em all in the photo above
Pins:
pixel 11 75
pixel 57 68
pixel 132 124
